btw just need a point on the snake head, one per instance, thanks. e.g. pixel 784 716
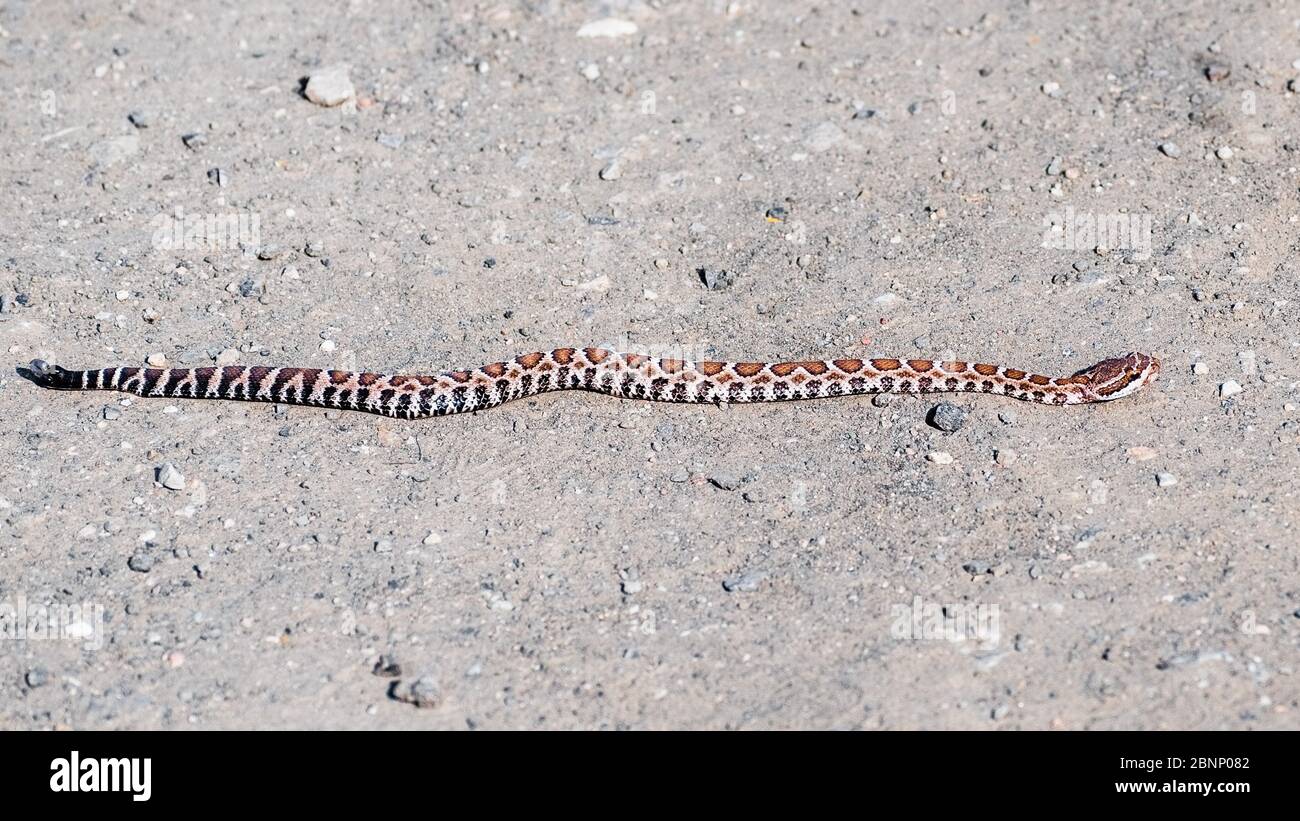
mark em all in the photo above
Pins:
pixel 1118 377
pixel 48 376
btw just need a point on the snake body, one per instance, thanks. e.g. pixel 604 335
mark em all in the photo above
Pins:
pixel 632 376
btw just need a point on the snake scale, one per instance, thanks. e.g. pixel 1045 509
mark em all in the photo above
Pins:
pixel 617 374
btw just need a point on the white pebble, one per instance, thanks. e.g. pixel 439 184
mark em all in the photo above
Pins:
pixel 1166 479
pixel 330 86
pixel 433 538
pixel 1229 388
pixel 1224 153
pixel 1200 368
pixel 228 357
pixel 608 27
pixel 328 345
pixel 156 360
pixel 591 71
pixel 171 478
pixel 939 457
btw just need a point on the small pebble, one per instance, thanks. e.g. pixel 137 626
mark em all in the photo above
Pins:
pixel 329 86
pixel 423 692
pixel 939 457
pixel 747 582
pixel 1229 388
pixel 1005 457
pixel 725 481
pixel 714 279
pixel 314 248
pixel 1200 368
pixel 111 413
pixel 433 538
pixel 1054 167
pixel 387 666
pixel 1224 152
pixel 1166 480
pixel 1170 150
pixel 140 119
pixel 36 677
pixel 976 568
pixel 171 478
pixel 156 360
pixel 140 562
pixel 947 417
pixel 612 171
pixel 217 177
pixel 194 140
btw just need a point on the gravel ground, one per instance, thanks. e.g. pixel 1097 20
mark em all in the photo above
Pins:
pixel 459 182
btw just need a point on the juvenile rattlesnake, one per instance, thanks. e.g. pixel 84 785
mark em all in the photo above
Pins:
pixel 604 371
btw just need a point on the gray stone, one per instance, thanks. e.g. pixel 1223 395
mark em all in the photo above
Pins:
pixel 746 582
pixel 140 562
pixel 947 417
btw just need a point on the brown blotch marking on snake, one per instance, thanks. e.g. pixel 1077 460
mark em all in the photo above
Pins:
pixel 529 360
pixel 886 364
pixel 636 360
pixel 784 369
pixel 724 378
pixel 459 376
pixel 1071 380
pixel 174 377
pixel 398 380
pixel 228 376
pixel 283 378
pixel 596 355
pixel 1039 379
pixel 1012 373
pixel 425 380
pixel 747 368
pixel 920 364
pixel 848 365
pixel 984 369
pixel 709 368
pixel 202 378
pixel 953 367
pixel 562 355
pixel 671 365
pixel 762 379
pixel 339 377
pixel 814 366
pixel 256 374
pixel 798 378
pixel 495 370
pixel 1117 386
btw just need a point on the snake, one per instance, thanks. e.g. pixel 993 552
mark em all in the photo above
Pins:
pixel 625 375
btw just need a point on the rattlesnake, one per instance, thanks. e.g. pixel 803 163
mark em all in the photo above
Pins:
pixel 604 371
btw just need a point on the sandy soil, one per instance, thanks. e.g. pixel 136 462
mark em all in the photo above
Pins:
pixel 855 179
